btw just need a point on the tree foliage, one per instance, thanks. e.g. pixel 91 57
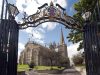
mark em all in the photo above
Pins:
pixel 64 61
pixel 78 59
pixel 80 7
pixel 56 59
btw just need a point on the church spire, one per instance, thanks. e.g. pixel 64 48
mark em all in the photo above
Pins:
pixel 62 38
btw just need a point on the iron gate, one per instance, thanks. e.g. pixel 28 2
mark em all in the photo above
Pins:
pixel 9 30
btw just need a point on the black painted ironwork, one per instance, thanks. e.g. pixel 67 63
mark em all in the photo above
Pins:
pixel 13 11
pixel 9 30
pixel 8 47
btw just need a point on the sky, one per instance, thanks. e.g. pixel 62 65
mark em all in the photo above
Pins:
pixel 47 32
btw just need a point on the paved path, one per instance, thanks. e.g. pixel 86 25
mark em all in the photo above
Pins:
pixel 65 72
pixel 82 70
pixel 70 72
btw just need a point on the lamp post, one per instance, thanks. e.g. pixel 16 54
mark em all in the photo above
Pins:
pixel 86 38
pixel 91 46
pixel 86 16
pixel 13 11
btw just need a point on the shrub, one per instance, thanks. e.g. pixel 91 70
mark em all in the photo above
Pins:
pixel 31 65
pixel 59 67
pixel 64 61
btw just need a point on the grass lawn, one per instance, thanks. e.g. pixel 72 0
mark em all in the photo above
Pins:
pixel 47 68
pixel 22 68
pixel 81 65
pixel 25 68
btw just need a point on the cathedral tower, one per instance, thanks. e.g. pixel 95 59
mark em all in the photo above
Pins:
pixel 62 47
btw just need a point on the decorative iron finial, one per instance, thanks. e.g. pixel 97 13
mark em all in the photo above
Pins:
pixel 51 3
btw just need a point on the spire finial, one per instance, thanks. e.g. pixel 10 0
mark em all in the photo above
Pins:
pixel 51 3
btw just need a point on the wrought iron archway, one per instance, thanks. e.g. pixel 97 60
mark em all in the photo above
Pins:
pixel 9 30
pixel 49 13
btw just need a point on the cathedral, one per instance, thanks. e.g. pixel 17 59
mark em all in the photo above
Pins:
pixel 38 53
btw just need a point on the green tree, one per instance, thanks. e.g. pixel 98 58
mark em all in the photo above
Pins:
pixel 64 61
pixel 51 56
pixel 80 7
pixel 78 59
pixel 31 64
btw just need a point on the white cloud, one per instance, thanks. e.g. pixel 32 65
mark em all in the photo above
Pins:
pixel 29 30
pixel 40 41
pixel 19 4
pixel 49 25
pixel 20 48
pixel 72 49
pixel 34 4
pixel 41 2
pixel 41 30
pixel 36 34
pixel 63 3
pixel 32 7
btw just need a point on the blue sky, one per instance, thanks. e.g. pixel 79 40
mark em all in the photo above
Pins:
pixel 46 32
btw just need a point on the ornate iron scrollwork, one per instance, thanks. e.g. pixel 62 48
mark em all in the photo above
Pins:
pixel 49 13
